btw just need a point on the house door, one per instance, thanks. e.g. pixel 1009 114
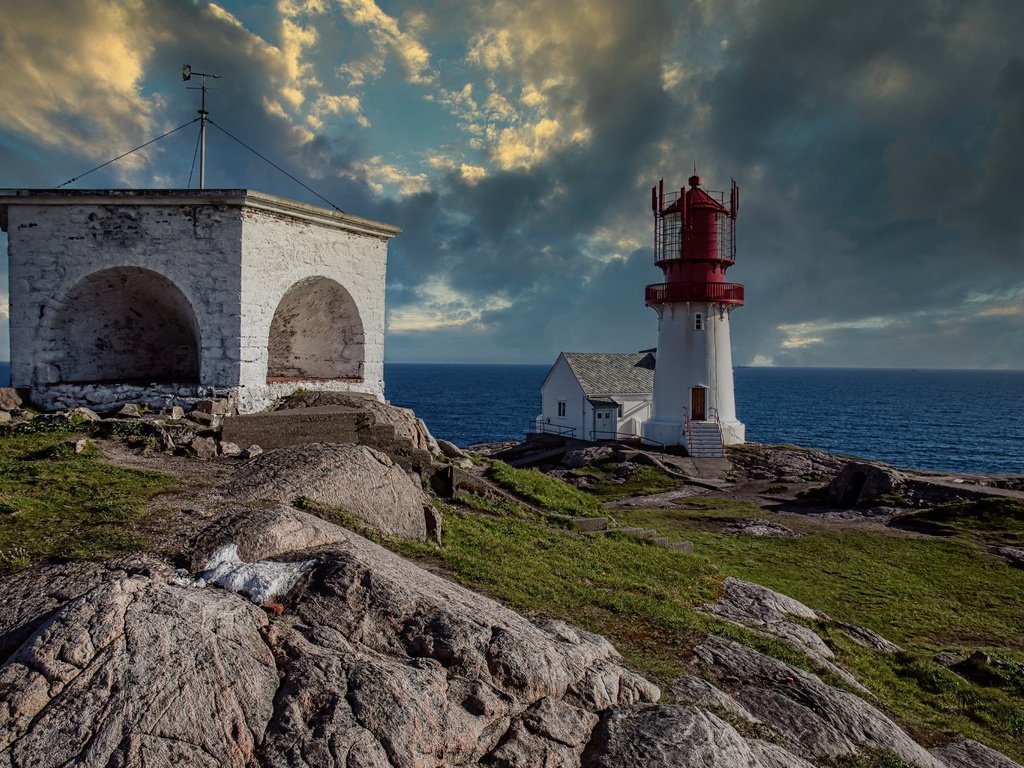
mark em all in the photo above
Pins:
pixel 697 403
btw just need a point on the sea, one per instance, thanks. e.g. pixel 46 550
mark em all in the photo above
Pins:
pixel 947 420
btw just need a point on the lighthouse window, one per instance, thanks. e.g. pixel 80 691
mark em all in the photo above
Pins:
pixel 561 408
pixel 698 321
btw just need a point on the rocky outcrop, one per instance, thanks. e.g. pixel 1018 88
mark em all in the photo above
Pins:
pixel 861 484
pixel 812 719
pixel 785 464
pixel 971 754
pixel 679 736
pixel 138 672
pixel 367 661
pixel 764 610
pixel 357 479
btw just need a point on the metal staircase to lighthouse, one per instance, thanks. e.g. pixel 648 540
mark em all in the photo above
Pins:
pixel 706 440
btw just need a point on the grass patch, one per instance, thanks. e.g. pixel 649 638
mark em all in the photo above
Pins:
pixel 643 480
pixel 993 519
pixel 548 492
pixel 55 503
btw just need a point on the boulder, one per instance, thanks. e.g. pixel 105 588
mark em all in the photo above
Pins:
pixel 84 413
pixel 859 484
pixel 357 479
pixel 450 450
pixel 9 399
pixel 129 411
pixel 204 447
pixel 584 456
pixel 229 449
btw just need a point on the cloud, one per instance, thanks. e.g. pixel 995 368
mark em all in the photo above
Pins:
pixel 438 306
pixel 387 37
pixel 387 178
pixel 89 98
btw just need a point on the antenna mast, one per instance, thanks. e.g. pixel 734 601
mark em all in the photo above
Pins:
pixel 186 74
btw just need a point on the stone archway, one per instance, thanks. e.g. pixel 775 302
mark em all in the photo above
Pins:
pixel 316 333
pixel 126 324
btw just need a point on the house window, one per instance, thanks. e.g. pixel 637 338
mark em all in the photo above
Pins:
pixel 561 408
pixel 698 321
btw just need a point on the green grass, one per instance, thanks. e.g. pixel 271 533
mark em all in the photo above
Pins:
pixel 642 481
pixel 547 492
pixel 993 519
pixel 55 503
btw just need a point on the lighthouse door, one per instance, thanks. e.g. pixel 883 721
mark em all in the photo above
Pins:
pixel 697 407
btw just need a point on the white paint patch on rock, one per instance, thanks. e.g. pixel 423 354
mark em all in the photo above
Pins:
pixel 262 581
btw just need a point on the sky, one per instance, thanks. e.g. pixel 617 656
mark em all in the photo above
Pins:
pixel 879 147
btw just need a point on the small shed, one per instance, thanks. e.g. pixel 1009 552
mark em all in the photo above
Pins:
pixel 168 296
pixel 597 396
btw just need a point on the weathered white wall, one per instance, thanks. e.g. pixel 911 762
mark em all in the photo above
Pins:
pixel 279 253
pixel 53 247
pixel 688 358
pixel 561 384
pixel 231 255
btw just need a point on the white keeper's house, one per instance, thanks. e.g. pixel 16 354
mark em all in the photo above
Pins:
pixel 597 396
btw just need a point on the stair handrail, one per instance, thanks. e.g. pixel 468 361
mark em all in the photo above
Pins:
pixel 689 430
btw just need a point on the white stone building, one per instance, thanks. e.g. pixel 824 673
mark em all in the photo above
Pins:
pixel 167 296
pixel 597 396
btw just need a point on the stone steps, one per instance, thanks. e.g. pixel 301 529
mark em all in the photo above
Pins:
pixel 706 440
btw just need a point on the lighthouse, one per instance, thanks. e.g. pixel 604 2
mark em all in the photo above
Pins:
pixel 694 404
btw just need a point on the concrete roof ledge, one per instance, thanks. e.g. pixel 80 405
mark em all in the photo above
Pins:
pixel 244 198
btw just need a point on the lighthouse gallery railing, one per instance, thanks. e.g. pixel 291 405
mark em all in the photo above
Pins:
pixel 724 293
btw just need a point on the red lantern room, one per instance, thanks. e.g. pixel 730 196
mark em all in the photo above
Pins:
pixel 694 244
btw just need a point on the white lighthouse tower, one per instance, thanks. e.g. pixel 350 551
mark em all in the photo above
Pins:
pixel 694 244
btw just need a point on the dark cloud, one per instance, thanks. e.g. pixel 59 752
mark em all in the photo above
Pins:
pixel 877 145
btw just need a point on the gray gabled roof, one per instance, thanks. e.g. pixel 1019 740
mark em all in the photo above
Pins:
pixel 609 374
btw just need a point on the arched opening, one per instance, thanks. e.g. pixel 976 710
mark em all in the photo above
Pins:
pixel 316 333
pixel 127 324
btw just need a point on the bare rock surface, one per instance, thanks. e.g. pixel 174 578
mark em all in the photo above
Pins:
pixel 758 527
pixel 356 478
pixel 1014 555
pixel 971 754
pixel 138 672
pixel 813 719
pixel 782 463
pixel 367 661
pixel 678 736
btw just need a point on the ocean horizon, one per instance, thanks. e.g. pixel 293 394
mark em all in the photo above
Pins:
pixel 930 419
